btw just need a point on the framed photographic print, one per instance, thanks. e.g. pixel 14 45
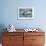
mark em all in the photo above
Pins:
pixel 25 13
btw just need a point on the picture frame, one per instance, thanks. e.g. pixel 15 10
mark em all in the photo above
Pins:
pixel 25 13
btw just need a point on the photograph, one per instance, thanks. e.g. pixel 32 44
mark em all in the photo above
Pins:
pixel 25 13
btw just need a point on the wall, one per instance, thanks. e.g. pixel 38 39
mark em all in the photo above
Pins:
pixel 8 13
